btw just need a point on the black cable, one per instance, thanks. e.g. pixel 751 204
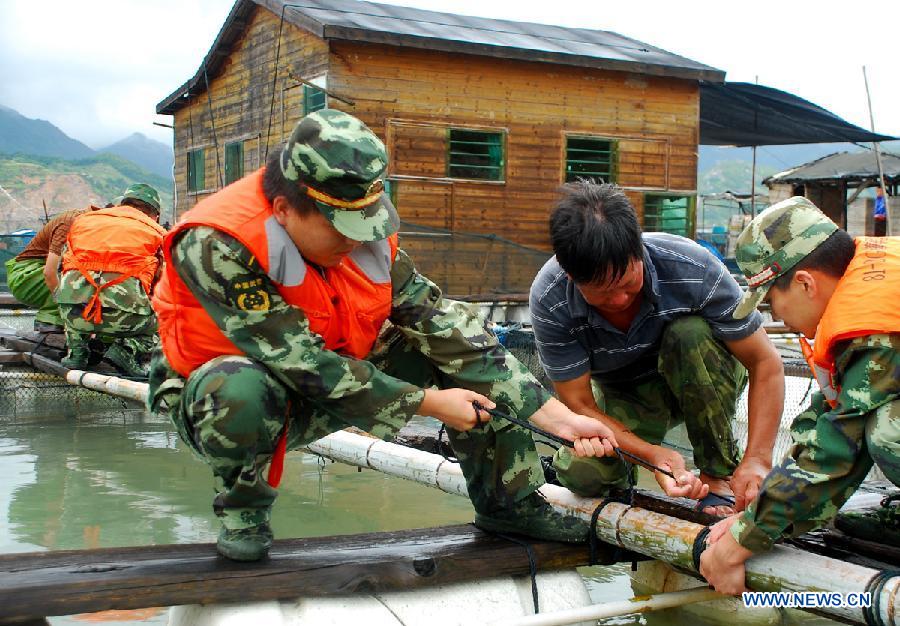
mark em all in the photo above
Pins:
pixel 212 121
pixel 560 440
pixel 874 587
pixel 439 445
pixel 699 546
pixel 627 499
pixel 532 567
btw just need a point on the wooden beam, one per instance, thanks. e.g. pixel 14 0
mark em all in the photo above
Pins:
pixel 78 581
pixel 10 356
pixel 45 364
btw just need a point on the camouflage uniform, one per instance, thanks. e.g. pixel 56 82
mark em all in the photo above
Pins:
pixel 232 409
pixel 287 372
pixel 128 322
pixel 834 449
pixel 128 319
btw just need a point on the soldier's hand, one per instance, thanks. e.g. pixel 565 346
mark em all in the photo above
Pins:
pixel 722 563
pixel 685 484
pixel 454 407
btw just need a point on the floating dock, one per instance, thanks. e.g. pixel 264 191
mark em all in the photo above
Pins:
pixel 55 583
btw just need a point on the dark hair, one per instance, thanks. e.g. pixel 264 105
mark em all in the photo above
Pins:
pixel 831 257
pixel 595 232
pixel 147 209
pixel 275 184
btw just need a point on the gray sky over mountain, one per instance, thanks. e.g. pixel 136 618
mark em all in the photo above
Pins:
pixel 97 68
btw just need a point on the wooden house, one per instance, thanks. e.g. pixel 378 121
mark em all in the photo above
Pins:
pixel 483 120
pixel 835 183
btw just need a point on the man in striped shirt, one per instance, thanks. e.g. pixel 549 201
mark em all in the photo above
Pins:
pixel 636 330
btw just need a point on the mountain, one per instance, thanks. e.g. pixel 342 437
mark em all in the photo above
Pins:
pixel 724 168
pixel 152 155
pixel 22 134
pixel 27 182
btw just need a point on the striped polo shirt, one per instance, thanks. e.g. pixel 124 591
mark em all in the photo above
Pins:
pixel 680 278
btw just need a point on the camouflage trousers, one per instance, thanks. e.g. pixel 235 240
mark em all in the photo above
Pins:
pixel 133 332
pixel 232 412
pixel 27 284
pixel 698 382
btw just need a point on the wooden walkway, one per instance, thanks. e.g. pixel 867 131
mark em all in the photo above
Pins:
pixel 79 581
pixel 57 583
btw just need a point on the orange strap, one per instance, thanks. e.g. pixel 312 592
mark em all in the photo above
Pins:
pixel 93 311
pixel 276 469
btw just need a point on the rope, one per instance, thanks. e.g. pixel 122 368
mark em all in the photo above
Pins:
pixel 560 440
pixel 628 499
pixel 532 567
pixel 874 587
pixel 439 443
pixel 699 546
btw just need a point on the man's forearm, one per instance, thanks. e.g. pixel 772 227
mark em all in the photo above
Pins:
pixel 765 402
pixel 627 440
pixel 50 267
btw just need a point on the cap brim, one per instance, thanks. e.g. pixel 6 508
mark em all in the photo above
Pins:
pixel 750 301
pixel 372 224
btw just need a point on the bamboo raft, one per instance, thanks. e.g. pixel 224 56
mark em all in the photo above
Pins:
pixel 56 583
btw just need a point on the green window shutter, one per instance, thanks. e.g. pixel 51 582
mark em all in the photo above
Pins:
pixel 313 100
pixel 669 214
pixel 475 154
pixel 591 159
pixel 234 161
pixel 390 188
pixel 196 170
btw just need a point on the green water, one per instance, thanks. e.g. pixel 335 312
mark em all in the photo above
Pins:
pixel 90 477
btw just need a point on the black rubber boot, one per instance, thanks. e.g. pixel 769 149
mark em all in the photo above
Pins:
pixel 126 362
pixel 880 525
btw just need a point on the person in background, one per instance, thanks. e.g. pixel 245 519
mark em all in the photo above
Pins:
pixel 879 214
pixel 32 274
pixel 109 266
pixel 635 330
pixel 288 311
pixel 843 293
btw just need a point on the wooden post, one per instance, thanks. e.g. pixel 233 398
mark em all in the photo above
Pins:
pixel 753 186
pixel 887 204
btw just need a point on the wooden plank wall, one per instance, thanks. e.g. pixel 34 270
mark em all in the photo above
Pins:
pixel 412 96
pixel 242 99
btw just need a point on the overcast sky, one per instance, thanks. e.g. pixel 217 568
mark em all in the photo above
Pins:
pixel 97 68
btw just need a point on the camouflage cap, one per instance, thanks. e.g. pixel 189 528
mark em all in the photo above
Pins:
pixel 774 242
pixel 143 192
pixel 341 162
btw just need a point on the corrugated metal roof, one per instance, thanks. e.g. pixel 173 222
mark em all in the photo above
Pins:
pixel 353 20
pixel 848 166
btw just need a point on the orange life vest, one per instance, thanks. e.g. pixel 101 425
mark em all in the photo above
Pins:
pixel 121 240
pixel 864 303
pixel 346 305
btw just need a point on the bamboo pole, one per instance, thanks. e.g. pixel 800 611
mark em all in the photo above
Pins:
pixel 665 538
pixel 887 204
pixel 640 604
